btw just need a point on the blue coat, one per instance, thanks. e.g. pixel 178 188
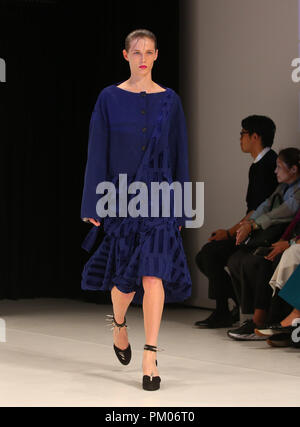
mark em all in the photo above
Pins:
pixel 120 127
pixel 144 136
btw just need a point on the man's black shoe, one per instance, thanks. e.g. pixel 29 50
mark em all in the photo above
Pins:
pixel 205 322
pixel 215 320
pixel 215 317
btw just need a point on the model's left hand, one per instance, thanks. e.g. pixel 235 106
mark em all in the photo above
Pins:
pixel 279 247
pixel 180 227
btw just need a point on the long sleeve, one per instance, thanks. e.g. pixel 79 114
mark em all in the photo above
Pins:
pixel 265 206
pixel 266 217
pixel 97 159
pixel 178 133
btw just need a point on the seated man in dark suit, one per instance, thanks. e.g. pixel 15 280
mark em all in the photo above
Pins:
pixel 257 138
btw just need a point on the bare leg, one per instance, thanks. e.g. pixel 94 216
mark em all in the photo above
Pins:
pixel 295 314
pixel 153 303
pixel 121 303
pixel 259 317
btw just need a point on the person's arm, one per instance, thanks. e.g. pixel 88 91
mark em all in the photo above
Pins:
pixel 97 158
pixel 278 248
pixel 235 228
pixel 283 213
pixel 178 137
pixel 223 234
pixel 252 224
pixel 265 206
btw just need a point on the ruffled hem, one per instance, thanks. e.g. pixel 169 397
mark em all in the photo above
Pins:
pixel 122 261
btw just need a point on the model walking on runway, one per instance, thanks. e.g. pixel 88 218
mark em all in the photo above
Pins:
pixel 138 129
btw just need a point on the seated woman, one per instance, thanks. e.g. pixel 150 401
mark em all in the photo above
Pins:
pixel 251 273
pixel 285 333
pixel 257 271
pixel 288 263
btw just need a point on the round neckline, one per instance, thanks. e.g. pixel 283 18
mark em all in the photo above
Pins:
pixel 143 91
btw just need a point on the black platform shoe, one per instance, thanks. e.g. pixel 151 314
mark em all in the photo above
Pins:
pixel 151 383
pixel 124 356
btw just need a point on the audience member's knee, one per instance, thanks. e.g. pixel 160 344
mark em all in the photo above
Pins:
pixel 204 253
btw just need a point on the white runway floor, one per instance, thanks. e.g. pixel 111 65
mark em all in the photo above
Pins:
pixel 59 353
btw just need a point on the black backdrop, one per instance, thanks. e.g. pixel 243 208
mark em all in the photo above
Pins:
pixel 59 55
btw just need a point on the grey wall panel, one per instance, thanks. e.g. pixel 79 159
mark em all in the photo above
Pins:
pixel 235 61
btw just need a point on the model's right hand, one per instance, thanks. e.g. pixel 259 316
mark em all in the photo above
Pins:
pixel 93 221
pixel 218 235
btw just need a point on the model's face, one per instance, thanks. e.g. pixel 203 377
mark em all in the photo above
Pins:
pixel 284 174
pixel 141 56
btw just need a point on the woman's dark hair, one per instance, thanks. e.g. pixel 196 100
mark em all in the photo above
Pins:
pixel 139 34
pixel 291 157
pixel 263 126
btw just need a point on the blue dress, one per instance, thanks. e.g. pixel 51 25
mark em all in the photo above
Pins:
pixel 144 136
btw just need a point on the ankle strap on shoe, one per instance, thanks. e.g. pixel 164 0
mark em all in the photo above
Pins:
pixel 120 325
pixel 113 322
pixel 150 347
